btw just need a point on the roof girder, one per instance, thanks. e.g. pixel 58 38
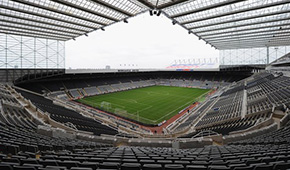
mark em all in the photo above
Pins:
pixel 247 29
pixel 249 36
pixel 146 3
pixel 242 25
pixel 241 11
pixel 66 3
pixel 224 3
pixel 112 7
pixel 38 26
pixel 36 33
pixel 42 31
pixel 241 19
pixel 265 40
pixel 45 16
pixel 31 35
pixel 59 12
pixel 176 2
pixel 251 45
pixel 264 30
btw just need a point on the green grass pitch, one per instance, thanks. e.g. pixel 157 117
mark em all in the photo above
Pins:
pixel 150 105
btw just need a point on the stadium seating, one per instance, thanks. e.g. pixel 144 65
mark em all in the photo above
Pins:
pixel 65 115
pixel 19 142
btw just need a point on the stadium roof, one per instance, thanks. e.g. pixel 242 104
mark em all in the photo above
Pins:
pixel 223 24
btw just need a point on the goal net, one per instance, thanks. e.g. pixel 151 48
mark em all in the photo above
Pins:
pixel 105 105
pixel 121 112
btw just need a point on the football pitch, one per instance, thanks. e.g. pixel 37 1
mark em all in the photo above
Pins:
pixel 149 105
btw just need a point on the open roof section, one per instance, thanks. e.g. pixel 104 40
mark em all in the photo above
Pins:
pixel 228 24
pixel 63 19
pixel 223 24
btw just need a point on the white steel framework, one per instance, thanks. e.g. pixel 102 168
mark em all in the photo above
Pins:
pixel 29 52
pixel 224 24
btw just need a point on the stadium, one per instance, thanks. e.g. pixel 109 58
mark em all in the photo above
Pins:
pixel 226 112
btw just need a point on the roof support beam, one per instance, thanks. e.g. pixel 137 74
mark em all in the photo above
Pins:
pixel 278 34
pixel 239 19
pixel 37 30
pixel 112 7
pixel 44 16
pixel 247 47
pixel 43 22
pixel 34 33
pixel 224 3
pixel 242 25
pixel 254 43
pixel 58 11
pixel 38 26
pixel 66 3
pixel 245 33
pixel 30 35
pixel 253 40
pixel 250 45
pixel 146 3
pixel 176 2
pixel 270 38
pixel 247 29
pixel 241 10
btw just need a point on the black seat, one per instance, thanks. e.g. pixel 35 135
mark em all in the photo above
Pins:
pixel 49 162
pixel 5 167
pixel 80 168
pixel 29 161
pixel 282 165
pixel 68 164
pixel 152 166
pixel 200 163
pixel 131 166
pixel 109 165
pixel 24 168
pixel 145 161
pixel 92 165
pixel 33 165
pixel 263 167
pixel 218 167
pixel 232 166
pixel 184 163
pixel 196 167
pixel 58 167
pixel 173 166
pixel 129 160
pixel 243 168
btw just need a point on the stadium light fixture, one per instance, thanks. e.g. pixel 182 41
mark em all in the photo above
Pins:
pixel 103 29
pixel 151 12
pixel 125 20
pixel 86 35
pixel 173 22
pixel 159 13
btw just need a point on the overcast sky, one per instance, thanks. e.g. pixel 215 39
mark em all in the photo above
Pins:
pixel 145 42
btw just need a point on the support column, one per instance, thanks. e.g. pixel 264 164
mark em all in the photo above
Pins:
pixel 268 55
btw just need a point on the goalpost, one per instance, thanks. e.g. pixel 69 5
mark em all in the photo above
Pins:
pixel 106 105
pixel 121 112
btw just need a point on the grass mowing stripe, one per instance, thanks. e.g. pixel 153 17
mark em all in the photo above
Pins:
pixel 154 104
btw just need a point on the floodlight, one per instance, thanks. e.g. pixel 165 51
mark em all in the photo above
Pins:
pixel 158 13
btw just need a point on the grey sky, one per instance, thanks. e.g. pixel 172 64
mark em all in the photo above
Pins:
pixel 146 41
